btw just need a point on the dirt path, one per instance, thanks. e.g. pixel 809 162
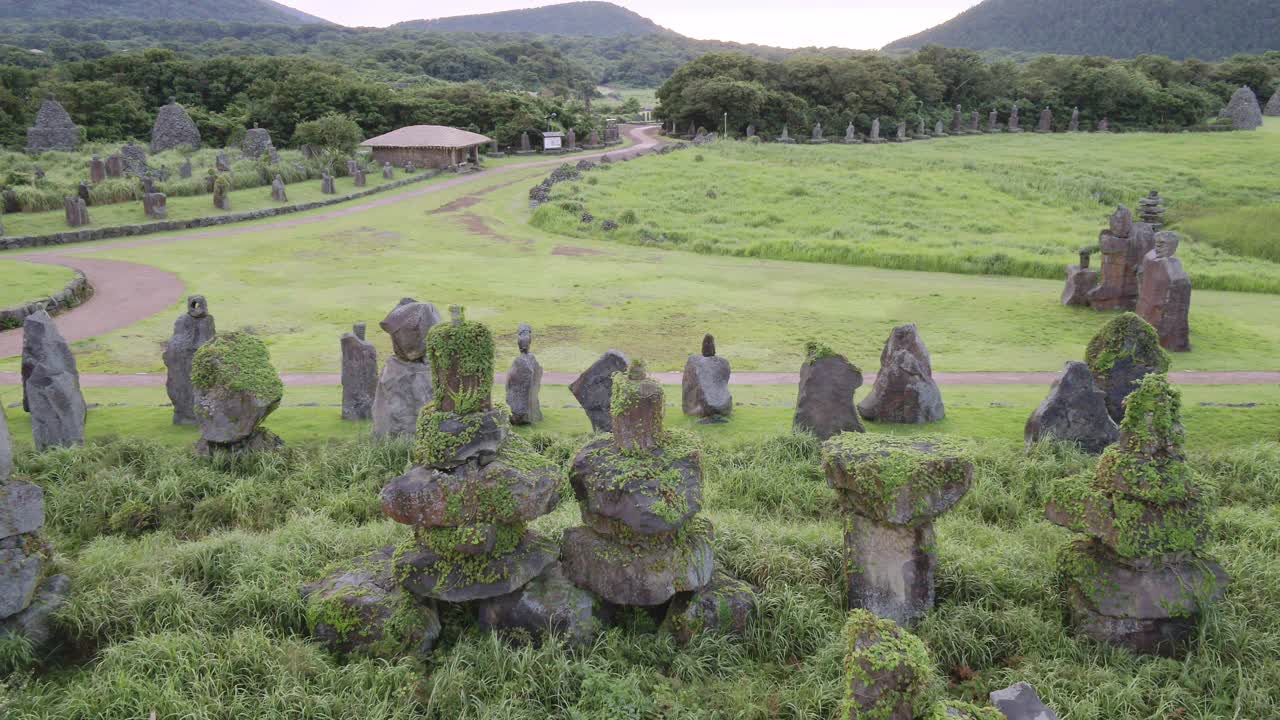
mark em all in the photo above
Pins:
pixel 743 378
pixel 125 293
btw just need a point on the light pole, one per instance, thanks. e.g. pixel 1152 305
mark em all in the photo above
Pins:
pixel 550 117
pixel 726 126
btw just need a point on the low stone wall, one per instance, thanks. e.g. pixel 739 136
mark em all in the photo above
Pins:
pixel 73 295
pixel 89 235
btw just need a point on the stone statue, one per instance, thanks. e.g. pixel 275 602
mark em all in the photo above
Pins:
pixel 993 122
pixel 1074 125
pixel 1123 245
pixel 1015 124
pixel 1164 293
pixel 192 329
pixel 359 374
pixel 524 381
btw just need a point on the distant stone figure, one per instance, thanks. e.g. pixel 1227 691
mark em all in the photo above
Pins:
pixel 1123 245
pixel 236 388
pixel 824 400
pixel 222 193
pixel 816 137
pixel 851 135
pixel 115 166
pixel 404 387
pixel 1074 125
pixel 53 129
pixel 1046 121
pixel 785 138
pixel 154 206
pixel 1243 110
pixel 410 168
pixel 874 138
pixel 1273 106
pixel 184 170
pixel 704 389
pixel 174 129
pixel 1015 121
pixel 900 135
pixel 327 185
pixel 939 130
pixel 50 385
pixel 359 374
pixel 524 144
pixel 571 140
pixel 973 122
pixel 957 121
pixel 594 389
pixel 1104 126
pixel 904 390
pixel 993 122
pixel 84 192
pixel 222 163
pixel 256 143
pixel 77 213
pixel 134 158
pixel 387 171
pixel 751 130
pixel 1081 280
pixel 922 132
pixel 594 139
pixel 1164 293
pixel 358 178
pixel 1151 208
pixel 1075 411
pixel 524 381
pixel 191 330
pixel 278 193
pixel 97 170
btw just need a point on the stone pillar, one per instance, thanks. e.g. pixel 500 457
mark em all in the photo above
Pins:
pixel 405 386
pixel 191 330
pixel 359 374
pixel 524 382
pixel 1123 245
pixel 1164 294
pixel 154 206
pixel 891 488
pixel 97 170
pixel 904 390
pixel 278 192
pixel 824 401
pixel 705 385
pixel 50 385
pixel 594 389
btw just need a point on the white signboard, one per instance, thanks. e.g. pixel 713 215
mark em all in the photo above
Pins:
pixel 550 143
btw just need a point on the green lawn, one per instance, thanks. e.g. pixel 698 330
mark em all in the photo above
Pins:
pixel 1009 205
pixel 23 282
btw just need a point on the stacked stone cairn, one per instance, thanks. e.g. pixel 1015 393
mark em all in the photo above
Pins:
pixel 29 595
pixel 704 388
pixel 904 390
pixel 472 488
pixel 643 543
pixel 1273 106
pixel 1075 412
pixel 1151 209
pixel 1243 110
pixel 75 210
pixel 278 192
pixel 1081 280
pixel 824 403
pixel 191 331
pixel 1124 351
pixel 50 385
pixel 236 388
pixel 890 489
pixel 524 381
pixel 1046 121
pixel 1074 124
pixel 1139 579
pixel 888 675
pixel 1164 293
pixel 1123 245
pixel 594 389
pixel 256 143
pixel 134 159
pixel 405 386
pixel 359 374
pixel 174 129
pixel 53 129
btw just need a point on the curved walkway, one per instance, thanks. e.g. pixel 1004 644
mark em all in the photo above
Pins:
pixel 125 293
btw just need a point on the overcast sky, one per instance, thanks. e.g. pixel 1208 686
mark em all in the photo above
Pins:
pixel 784 23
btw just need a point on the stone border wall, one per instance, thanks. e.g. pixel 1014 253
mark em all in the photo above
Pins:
pixel 73 295
pixel 79 236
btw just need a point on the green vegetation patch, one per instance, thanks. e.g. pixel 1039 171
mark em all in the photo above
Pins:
pixel 880 467
pixel 467 349
pixel 23 282
pixel 238 362
pixel 873 646
pixel 1126 337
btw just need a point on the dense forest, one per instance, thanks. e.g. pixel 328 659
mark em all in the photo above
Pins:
pixel 574 18
pixel 1148 92
pixel 1205 29
pixel 250 11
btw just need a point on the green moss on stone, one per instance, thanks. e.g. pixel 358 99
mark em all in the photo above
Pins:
pixel 815 351
pixel 467 347
pixel 1126 336
pixel 238 362
pixel 881 466
pixel 886 647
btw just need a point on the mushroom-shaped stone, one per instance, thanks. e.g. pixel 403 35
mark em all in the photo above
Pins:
pixel 640 573
pixel 648 492
pixel 236 388
pixel 726 606
pixel 887 670
pixel 547 605
pixel 1123 352
pixel 904 390
pixel 361 610
pixel 1075 411
pixel 636 406
pixel 50 385
pixel 824 404
pixel 594 389
pixel 408 326
pixel 705 385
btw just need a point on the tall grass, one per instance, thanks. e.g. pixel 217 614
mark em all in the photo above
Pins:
pixel 189 617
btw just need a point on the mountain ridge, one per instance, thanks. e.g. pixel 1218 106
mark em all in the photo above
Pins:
pixel 587 18
pixel 249 11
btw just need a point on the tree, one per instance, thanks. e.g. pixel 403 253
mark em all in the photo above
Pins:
pixel 333 134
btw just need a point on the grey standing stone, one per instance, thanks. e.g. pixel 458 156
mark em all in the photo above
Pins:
pixel 904 391
pixel 221 193
pixel 359 177
pixel 154 205
pixel 33 622
pixel 278 192
pixel 75 210
pixel 404 388
pixel 594 389
pixel 115 166
pixel 191 330
pixel 359 374
pixel 1075 411
pixel 184 170
pixel 1015 123
pixel 221 163
pixel 327 185
pixel 705 385
pixel 51 385
pixel 1074 125
pixel 97 170
pixel 6 451
pixel 21 508
pixel 387 171
pixel 1046 121
pixel 1021 702
pixel 824 402
pixel 524 382
pixel 547 605
pixel 174 129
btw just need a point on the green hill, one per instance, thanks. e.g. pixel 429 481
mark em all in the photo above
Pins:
pixel 581 19
pixel 246 11
pixel 1205 29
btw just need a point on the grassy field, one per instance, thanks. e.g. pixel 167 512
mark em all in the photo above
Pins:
pixel 24 282
pixel 186 602
pixel 1006 205
pixel 299 288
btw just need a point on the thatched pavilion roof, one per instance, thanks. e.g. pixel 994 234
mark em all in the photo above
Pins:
pixel 427 136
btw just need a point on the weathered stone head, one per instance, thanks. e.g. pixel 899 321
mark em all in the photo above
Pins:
pixel 1167 244
pixel 358 330
pixel 408 326
pixel 1122 222
pixel 708 345
pixel 524 337
pixel 197 306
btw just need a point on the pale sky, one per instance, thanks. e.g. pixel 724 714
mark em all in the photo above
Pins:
pixel 783 23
